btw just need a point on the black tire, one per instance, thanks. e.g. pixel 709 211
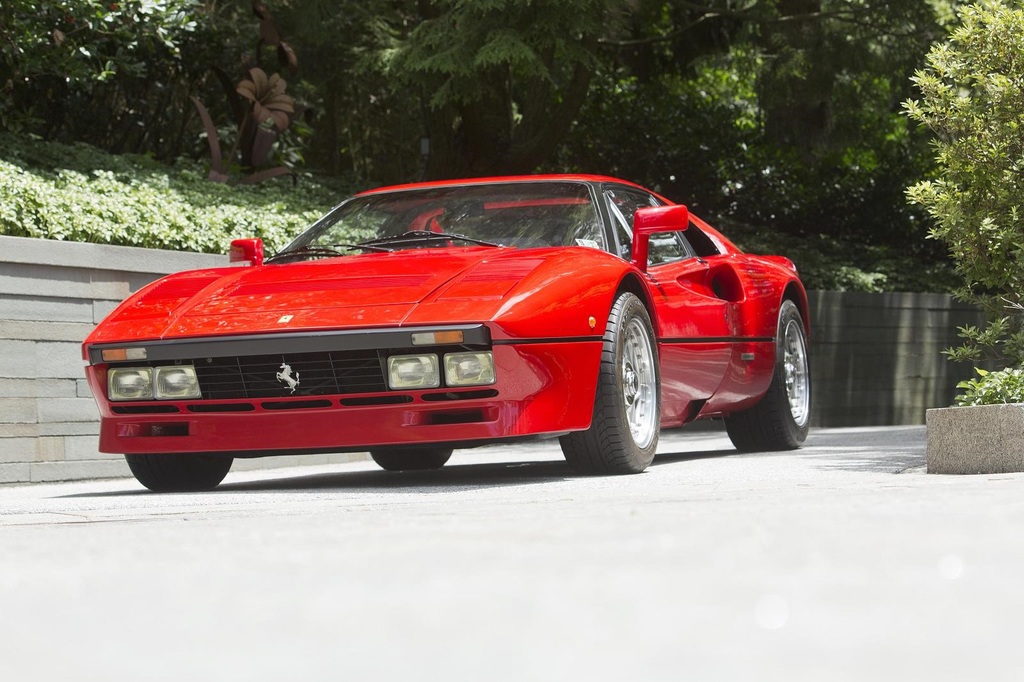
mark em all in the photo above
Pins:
pixel 623 435
pixel 411 459
pixel 780 421
pixel 179 473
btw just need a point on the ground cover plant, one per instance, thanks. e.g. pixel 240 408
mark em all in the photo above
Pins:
pixel 79 193
pixel 992 388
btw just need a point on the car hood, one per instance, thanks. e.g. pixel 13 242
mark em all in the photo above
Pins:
pixel 429 286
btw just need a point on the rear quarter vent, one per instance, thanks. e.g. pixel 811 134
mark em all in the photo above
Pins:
pixel 726 284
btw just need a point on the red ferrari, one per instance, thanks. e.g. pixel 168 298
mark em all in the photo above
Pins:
pixel 416 319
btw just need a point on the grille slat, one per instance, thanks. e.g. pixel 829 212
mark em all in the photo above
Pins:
pixel 253 377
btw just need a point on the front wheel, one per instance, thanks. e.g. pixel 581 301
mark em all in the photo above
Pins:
pixel 179 473
pixel 623 434
pixel 411 459
pixel 780 421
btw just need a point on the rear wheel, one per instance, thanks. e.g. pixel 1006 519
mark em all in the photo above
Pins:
pixel 623 434
pixel 780 421
pixel 411 459
pixel 178 473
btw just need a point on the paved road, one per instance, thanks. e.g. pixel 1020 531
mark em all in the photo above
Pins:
pixel 841 561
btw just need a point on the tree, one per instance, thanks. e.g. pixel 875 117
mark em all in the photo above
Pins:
pixel 499 81
pixel 117 74
pixel 972 98
pixel 774 116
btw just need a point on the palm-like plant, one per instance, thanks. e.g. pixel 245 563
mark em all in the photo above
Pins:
pixel 267 113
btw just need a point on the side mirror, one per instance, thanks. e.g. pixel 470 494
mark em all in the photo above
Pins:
pixel 247 251
pixel 648 221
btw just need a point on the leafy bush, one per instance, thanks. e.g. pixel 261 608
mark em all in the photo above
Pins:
pixel 116 74
pixel 993 388
pixel 972 98
pixel 79 193
pixel 850 264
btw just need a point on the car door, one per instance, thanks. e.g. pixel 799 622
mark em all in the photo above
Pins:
pixel 695 324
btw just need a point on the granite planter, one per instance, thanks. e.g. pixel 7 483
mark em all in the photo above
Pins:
pixel 984 439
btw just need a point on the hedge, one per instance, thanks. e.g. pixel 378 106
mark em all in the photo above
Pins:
pixel 79 193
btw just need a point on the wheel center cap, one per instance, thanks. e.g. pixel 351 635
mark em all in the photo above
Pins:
pixel 631 385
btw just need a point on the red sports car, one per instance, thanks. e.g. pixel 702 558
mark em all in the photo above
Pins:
pixel 416 319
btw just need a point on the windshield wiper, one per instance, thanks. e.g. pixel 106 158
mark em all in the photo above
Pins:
pixel 322 251
pixel 425 235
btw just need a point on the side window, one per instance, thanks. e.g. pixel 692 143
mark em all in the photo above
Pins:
pixel 623 203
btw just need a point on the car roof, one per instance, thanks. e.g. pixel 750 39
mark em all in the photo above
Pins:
pixel 505 179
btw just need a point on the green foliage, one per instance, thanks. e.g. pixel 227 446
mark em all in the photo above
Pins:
pixel 972 98
pixel 115 74
pixel 992 388
pixel 463 45
pixel 773 117
pixel 79 193
pixel 792 145
pixel 499 81
pixel 842 264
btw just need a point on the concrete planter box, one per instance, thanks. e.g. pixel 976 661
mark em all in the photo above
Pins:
pixel 986 439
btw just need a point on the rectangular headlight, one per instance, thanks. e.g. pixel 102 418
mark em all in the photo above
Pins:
pixel 130 383
pixel 469 369
pixel 413 371
pixel 176 383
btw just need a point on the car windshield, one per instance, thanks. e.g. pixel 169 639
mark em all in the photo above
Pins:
pixel 523 214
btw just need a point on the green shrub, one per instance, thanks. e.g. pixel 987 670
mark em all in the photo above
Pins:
pixel 972 98
pixel 850 264
pixel 79 193
pixel 993 388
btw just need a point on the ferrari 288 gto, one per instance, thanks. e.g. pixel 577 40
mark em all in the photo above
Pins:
pixel 413 320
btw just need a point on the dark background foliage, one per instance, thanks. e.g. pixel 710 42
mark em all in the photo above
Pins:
pixel 777 119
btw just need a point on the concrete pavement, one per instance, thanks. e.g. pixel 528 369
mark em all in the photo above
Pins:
pixel 840 561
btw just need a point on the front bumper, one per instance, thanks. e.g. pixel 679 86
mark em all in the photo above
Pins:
pixel 542 387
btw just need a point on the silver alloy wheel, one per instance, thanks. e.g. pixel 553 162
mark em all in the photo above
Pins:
pixel 798 386
pixel 638 383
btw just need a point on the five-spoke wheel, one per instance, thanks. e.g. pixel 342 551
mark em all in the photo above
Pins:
pixel 623 434
pixel 780 420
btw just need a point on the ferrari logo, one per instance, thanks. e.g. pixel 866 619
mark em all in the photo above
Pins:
pixel 285 376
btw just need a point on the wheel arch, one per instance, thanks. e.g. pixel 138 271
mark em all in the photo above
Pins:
pixel 795 292
pixel 632 283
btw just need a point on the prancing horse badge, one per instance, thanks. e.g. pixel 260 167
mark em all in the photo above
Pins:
pixel 285 375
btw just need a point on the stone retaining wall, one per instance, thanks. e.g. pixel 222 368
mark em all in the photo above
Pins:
pixel 876 358
pixel 51 295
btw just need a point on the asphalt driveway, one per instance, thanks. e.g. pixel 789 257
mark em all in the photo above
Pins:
pixel 839 561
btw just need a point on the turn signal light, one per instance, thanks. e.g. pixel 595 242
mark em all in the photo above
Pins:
pixel 438 338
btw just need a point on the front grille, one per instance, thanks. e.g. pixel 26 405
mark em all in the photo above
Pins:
pixel 274 376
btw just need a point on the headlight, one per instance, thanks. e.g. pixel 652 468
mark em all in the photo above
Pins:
pixel 469 369
pixel 176 383
pixel 130 383
pixel 413 371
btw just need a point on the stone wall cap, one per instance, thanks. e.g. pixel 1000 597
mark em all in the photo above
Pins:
pixel 53 252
